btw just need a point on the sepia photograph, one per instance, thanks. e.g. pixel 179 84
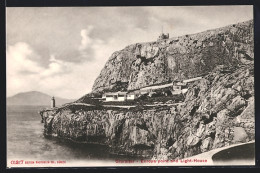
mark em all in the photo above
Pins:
pixel 130 86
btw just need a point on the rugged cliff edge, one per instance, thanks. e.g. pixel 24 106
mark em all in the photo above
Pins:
pixel 183 57
pixel 217 111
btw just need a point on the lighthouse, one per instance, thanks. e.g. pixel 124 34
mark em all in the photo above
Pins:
pixel 52 102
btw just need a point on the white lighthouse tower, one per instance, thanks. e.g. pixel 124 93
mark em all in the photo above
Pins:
pixel 52 102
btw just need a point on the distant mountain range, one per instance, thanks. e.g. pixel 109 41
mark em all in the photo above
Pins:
pixel 35 98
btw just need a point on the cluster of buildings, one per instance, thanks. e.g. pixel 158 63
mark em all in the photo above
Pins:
pixel 174 88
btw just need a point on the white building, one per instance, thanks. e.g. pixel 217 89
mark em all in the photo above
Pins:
pixel 120 96
pixel 133 95
pixel 116 96
pixel 177 87
pixel 181 87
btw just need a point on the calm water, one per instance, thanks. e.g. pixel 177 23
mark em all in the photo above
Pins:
pixel 25 140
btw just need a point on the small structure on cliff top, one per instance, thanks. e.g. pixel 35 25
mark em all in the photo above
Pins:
pixel 163 36
pixel 53 102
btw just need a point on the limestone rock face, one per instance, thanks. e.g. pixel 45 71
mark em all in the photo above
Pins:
pixel 178 58
pixel 240 134
pixel 217 110
pixel 213 115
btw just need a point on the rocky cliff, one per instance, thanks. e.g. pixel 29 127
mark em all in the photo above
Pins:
pixel 176 58
pixel 217 111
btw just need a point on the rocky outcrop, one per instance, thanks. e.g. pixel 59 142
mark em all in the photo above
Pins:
pixel 213 111
pixel 217 111
pixel 178 58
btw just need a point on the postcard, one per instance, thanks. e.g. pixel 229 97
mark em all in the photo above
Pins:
pixel 130 86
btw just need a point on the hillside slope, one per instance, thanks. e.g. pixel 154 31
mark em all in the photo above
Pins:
pixel 178 58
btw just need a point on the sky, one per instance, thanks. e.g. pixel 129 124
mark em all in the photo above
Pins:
pixel 61 50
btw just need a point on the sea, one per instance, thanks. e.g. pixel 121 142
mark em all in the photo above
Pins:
pixel 25 141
